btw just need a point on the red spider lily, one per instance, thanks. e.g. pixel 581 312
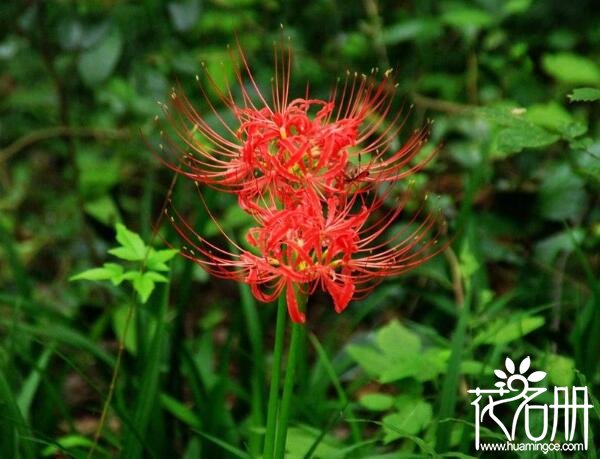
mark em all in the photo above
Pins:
pixel 279 148
pixel 313 245
pixel 310 172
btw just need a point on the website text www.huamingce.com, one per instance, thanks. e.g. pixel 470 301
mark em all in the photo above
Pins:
pixel 543 447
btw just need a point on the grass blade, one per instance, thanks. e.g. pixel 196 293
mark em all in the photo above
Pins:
pixel 149 384
pixel 14 431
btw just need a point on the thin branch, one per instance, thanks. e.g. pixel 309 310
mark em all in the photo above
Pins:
pixel 440 105
pixel 59 131
pixel 457 286
pixel 376 30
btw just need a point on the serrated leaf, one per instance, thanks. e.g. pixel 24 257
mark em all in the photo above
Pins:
pixel 125 253
pixel 584 95
pixel 106 272
pixel 131 275
pixel 103 209
pixel 551 116
pixel 144 283
pixel 156 277
pixel 132 246
pixel 117 270
pixel 157 258
pixel 514 139
pixel 128 238
pixel 571 68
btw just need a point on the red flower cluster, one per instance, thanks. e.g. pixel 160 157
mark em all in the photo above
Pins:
pixel 315 175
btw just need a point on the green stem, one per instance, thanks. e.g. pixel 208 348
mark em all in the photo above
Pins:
pixel 288 389
pixel 257 379
pixel 275 375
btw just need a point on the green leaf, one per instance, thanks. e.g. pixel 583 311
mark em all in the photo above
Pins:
pixel 67 443
pixel 571 68
pixel 300 440
pixel 109 271
pixel 469 264
pixel 157 258
pixel 502 114
pixel 232 450
pixel 414 416
pixel 502 331
pixel 396 354
pixel 143 283
pixel 132 246
pixel 15 434
pixel 560 369
pixel 515 139
pixel 377 402
pixel 180 411
pixel 119 320
pixel 97 64
pixel 68 336
pixel 372 360
pixel 554 117
pixel 464 18
pixel 547 249
pixel 103 209
pixel 395 336
pixel 516 6
pixel 584 95
pixel 125 253
pixel 412 29
pixel 147 396
pixel 130 240
pixel 98 173
pixel 184 14
pixel 31 384
pixel 156 277
pixel 562 194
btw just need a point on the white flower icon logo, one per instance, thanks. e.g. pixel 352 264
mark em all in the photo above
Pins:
pixel 510 375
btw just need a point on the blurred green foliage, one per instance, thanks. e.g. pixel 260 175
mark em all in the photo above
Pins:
pixel 514 89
